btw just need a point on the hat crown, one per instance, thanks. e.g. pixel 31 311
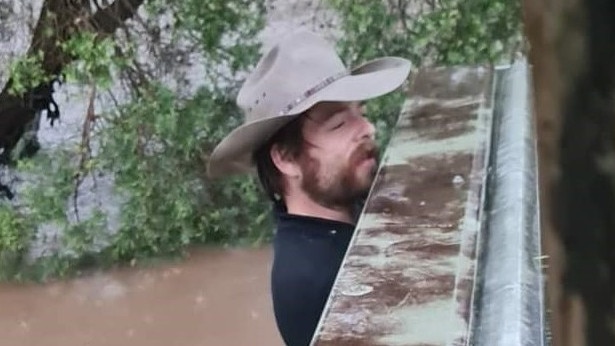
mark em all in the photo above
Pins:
pixel 286 73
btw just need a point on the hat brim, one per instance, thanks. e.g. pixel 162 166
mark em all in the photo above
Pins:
pixel 233 155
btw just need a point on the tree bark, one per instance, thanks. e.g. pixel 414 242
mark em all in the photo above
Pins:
pixel 573 54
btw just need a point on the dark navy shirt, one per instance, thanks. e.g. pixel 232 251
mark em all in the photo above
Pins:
pixel 308 252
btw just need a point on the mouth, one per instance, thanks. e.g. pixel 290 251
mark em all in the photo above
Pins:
pixel 366 153
pixel 372 154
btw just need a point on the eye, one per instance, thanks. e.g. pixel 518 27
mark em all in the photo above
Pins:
pixel 338 126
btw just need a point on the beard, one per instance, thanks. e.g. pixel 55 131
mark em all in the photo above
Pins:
pixel 339 186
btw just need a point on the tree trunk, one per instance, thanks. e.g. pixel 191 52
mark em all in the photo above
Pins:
pixel 573 54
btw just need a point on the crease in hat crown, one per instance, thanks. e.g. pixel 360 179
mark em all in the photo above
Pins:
pixel 300 62
pixel 299 71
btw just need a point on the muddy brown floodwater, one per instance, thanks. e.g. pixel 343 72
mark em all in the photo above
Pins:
pixel 215 297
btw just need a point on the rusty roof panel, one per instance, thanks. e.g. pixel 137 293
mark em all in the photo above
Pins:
pixel 408 275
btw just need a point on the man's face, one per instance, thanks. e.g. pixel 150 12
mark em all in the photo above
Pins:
pixel 339 160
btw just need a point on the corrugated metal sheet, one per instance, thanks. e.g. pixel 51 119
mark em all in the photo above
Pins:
pixel 410 274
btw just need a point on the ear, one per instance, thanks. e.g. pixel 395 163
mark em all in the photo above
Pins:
pixel 285 164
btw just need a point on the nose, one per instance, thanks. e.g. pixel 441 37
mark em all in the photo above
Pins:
pixel 369 130
pixel 366 130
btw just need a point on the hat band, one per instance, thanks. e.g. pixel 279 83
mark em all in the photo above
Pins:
pixel 313 90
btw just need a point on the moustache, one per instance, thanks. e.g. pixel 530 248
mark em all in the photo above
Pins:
pixel 365 151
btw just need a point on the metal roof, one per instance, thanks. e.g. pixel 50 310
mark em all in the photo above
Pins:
pixel 446 251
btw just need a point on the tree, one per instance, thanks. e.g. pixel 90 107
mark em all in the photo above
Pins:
pixel 572 52
pixel 149 133
pixel 59 22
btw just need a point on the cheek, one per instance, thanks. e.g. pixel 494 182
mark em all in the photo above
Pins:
pixel 332 152
pixel 326 167
pixel 336 159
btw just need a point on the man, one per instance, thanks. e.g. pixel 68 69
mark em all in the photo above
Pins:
pixel 314 152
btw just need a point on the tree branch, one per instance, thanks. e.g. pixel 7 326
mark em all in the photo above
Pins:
pixel 86 149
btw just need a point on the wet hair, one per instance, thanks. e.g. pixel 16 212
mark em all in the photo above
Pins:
pixel 290 142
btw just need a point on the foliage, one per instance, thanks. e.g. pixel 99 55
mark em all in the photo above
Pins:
pixel 445 32
pixel 217 26
pixel 16 232
pixel 94 58
pixel 154 146
pixel 28 73
pixel 162 143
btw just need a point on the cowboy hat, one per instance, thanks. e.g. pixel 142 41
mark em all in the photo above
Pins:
pixel 301 70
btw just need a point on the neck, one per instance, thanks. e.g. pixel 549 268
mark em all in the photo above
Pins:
pixel 301 204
